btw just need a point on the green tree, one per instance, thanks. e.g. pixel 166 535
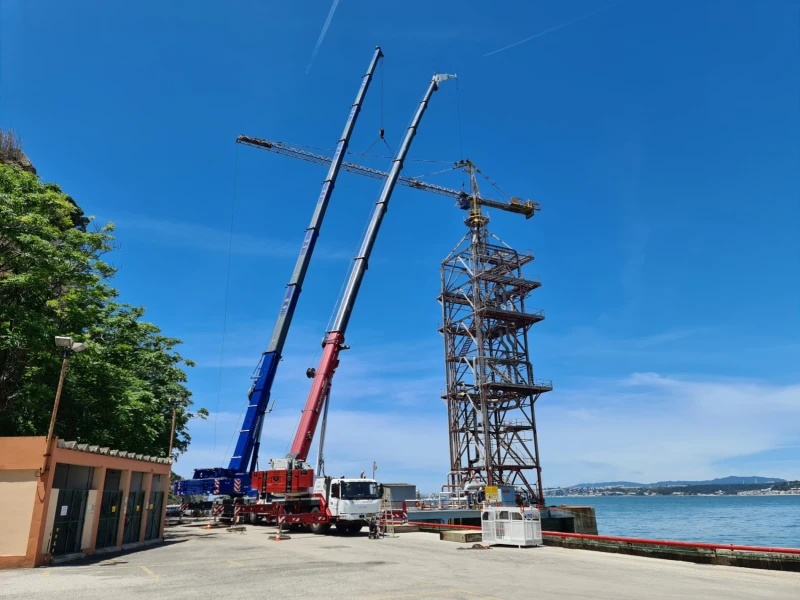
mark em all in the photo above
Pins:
pixel 54 281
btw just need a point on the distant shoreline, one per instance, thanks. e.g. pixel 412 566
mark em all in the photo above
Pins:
pixel 671 495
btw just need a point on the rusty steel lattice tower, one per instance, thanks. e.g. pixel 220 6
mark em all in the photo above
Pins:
pixel 491 390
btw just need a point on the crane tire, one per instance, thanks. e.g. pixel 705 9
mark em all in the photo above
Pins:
pixel 318 528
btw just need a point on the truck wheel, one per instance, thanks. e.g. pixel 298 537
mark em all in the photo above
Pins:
pixel 318 528
pixel 343 527
pixel 354 528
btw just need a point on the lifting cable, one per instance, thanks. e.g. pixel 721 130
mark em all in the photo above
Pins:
pixel 381 130
pixel 227 289
pixel 460 137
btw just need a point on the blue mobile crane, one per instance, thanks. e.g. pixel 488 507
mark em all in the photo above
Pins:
pixel 235 479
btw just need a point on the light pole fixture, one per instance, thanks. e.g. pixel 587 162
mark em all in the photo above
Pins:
pixel 175 402
pixel 70 347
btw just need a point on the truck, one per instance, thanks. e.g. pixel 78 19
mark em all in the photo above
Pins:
pixel 318 503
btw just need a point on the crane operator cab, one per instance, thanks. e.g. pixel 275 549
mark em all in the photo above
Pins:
pixel 351 503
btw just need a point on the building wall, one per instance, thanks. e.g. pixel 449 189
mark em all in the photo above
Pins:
pixel 49 519
pixel 28 501
pixel 399 492
pixel 17 498
pixel 21 452
pixel 89 525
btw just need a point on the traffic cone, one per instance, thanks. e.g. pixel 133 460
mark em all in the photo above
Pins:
pixel 278 536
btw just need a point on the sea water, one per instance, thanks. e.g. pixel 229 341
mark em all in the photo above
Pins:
pixel 746 520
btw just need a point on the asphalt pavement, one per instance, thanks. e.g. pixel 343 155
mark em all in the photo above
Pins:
pixel 197 563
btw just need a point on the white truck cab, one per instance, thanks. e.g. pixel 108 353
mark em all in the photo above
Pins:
pixel 351 503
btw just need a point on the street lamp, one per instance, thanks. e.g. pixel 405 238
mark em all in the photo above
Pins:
pixel 175 402
pixel 70 347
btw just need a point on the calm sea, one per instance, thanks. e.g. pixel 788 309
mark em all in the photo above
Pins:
pixel 747 520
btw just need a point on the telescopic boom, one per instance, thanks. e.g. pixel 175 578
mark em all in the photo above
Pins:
pixel 245 455
pixel 334 341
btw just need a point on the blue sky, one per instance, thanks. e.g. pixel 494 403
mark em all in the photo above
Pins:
pixel 660 138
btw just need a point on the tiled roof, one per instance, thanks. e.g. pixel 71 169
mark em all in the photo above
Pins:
pixel 111 452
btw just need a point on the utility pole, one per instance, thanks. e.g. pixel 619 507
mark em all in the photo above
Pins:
pixel 175 402
pixel 70 347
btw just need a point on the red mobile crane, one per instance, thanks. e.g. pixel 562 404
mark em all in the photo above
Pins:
pixel 290 484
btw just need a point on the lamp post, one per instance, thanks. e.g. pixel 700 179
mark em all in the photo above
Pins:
pixel 70 347
pixel 175 402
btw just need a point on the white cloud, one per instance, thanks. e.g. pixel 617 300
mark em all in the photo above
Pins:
pixel 210 239
pixel 655 428
pixel 386 406
pixel 406 447
pixel 591 342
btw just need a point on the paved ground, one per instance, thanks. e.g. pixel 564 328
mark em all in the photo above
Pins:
pixel 203 564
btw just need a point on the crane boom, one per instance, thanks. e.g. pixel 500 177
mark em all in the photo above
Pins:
pixel 334 341
pixel 246 452
pixel 527 208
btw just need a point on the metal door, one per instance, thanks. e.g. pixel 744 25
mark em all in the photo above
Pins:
pixel 68 522
pixel 133 517
pixel 108 525
pixel 154 511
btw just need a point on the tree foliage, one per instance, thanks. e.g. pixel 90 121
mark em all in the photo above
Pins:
pixel 54 281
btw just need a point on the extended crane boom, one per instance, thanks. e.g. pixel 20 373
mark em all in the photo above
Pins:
pixel 516 205
pixel 334 341
pixel 245 454
pixel 247 445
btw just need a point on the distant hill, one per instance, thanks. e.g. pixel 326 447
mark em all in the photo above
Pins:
pixel 721 481
pixel 610 484
pixel 733 479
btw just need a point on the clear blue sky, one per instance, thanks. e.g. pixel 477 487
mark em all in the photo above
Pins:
pixel 661 139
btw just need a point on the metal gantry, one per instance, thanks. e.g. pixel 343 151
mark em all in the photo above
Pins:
pixel 491 389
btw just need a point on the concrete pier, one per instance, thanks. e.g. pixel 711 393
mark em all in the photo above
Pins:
pixel 564 519
pixel 215 564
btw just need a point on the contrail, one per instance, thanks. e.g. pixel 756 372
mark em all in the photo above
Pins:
pixel 322 34
pixel 552 29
